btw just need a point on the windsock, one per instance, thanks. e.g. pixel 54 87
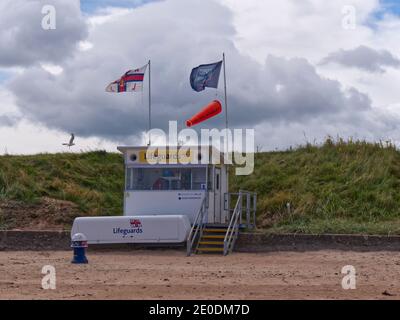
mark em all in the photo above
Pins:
pixel 209 111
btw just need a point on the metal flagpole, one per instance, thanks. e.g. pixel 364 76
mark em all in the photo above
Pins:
pixel 149 101
pixel 226 104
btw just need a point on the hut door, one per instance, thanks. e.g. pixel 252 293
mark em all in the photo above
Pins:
pixel 217 196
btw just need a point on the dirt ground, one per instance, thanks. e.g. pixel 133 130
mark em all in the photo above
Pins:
pixel 46 214
pixel 169 274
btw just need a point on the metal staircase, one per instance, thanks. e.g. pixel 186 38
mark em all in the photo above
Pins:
pixel 217 238
pixel 212 240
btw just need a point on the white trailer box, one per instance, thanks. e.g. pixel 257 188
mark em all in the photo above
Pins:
pixel 133 229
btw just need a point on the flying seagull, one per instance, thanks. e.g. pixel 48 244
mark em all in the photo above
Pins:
pixel 71 141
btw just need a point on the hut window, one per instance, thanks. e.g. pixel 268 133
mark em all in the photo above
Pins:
pixel 165 178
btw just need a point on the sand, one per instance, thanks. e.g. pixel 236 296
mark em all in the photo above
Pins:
pixel 169 274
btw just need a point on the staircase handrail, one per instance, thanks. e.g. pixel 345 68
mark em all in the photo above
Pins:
pixel 249 198
pixel 198 226
pixel 233 227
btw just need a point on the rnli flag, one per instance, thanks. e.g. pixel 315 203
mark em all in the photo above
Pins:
pixel 131 81
pixel 205 75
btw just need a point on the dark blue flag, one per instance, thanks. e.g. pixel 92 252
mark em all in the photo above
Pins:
pixel 205 75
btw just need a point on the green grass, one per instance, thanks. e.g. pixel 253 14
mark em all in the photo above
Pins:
pixel 338 187
pixel 92 180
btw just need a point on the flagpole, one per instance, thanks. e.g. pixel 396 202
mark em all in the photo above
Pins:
pixel 226 104
pixel 149 102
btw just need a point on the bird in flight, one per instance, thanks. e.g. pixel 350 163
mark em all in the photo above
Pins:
pixel 71 141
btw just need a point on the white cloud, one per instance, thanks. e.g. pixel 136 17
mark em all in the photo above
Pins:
pixel 52 69
pixel 85 45
pixel 364 58
pixel 76 101
pixel 106 15
pixel 274 83
pixel 24 42
pixel 29 138
pixel 310 29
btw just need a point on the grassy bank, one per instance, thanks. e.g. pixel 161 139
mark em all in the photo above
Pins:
pixel 339 187
pixel 93 180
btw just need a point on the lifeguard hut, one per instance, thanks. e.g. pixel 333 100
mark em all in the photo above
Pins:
pixel 175 181
pixel 175 195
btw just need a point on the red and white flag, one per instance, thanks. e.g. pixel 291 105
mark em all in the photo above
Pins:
pixel 131 81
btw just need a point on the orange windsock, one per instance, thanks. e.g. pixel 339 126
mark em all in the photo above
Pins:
pixel 209 111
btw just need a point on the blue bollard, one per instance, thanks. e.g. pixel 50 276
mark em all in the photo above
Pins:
pixel 79 243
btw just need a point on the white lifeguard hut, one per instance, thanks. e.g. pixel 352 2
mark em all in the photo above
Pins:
pixel 174 195
pixel 175 181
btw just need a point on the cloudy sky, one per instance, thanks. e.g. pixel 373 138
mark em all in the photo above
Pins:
pixel 296 70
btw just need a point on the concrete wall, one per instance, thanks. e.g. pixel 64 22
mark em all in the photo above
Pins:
pixel 247 242
pixel 35 240
pixel 261 242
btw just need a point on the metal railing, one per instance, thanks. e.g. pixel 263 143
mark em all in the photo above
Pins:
pixel 233 228
pixel 249 206
pixel 197 229
pixel 232 233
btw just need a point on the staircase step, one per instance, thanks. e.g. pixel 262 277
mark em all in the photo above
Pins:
pixel 212 239
pixel 207 249
pixel 215 243
pixel 214 230
pixel 209 236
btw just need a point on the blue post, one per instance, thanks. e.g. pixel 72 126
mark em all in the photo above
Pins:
pixel 79 243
